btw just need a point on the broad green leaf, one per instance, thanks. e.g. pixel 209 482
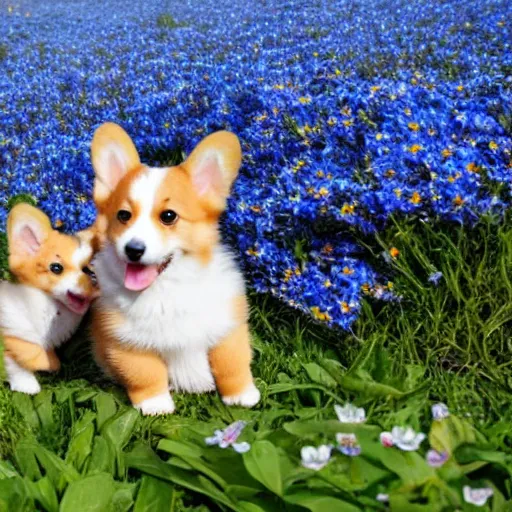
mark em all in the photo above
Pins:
pixel 55 468
pixel 472 454
pixel 105 407
pixel 317 374
pixel 450 433
pixel 84 395
pixel 191 455
pixel 7 470
pixel 117 431
pixel 154 495
pixel 43 491
pixel 91 494
pixel 120 428
pixel 43 406
pixel 262 463
pixel 26 460
pixel 411 467
pixel 14 496
pixel 317 502
pixel 284 387
pixel 180 448
pixel 80 446
pixel 310 428
pixel 123 498
pixel 103 456
pixel 247 506
pixel 25 406
pixel 145 460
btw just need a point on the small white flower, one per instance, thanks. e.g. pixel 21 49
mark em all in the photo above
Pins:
pixel 350 413
pixel 477 497
pixel 228 437
pixel 405 438
pixel 436 459
pixel 440 411
pixel 386 439
pixel 348 445
pixel 315 458
pixel 383 498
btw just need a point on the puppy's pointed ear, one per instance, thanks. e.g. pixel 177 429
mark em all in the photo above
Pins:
pixel 113 155
pixel 27 230
pixel 213 167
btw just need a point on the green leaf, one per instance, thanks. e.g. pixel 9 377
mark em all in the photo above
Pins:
pixel 123 498
pixel 310 428
pixel 180 448
pixel 25 406
pixel 247 506
pixel 7 470
pixel 262 463
pixel 26 461
pixel 411 467
pixel 43 406
pixel 105 407
pixel 145 460
pixel 450 433
pixel 472 454
pixel 43 491
pixel 285 387
pixel 154 495
pixel 119 428
pixel 56 469
pixel 80 446
pixel 14 496
pixel 91 494
pixel 191 455
pixel 317 502
pixel 103 456
pixel 85 395
pixel 317 374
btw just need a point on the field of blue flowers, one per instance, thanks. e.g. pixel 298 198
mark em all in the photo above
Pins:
pixel 349 112
pixel 356 117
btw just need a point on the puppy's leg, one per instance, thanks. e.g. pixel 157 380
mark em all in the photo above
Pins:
pixel 230 361
pixel 30 356
pixel 20 379
pixel 142 373
pixel 190 371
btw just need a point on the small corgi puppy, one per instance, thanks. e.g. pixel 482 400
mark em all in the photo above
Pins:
pixel 172 313
pixel 52 291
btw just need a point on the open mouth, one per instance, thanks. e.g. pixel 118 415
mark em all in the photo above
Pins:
pixel 138 277
pixel 77 303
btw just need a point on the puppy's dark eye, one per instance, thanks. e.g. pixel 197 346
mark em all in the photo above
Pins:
pixel 168 217
pixel 90 273
pixel 123 216
pixel 56 268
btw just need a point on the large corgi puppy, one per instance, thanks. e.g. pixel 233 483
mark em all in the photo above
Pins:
pixel 52 291
pixel 173 311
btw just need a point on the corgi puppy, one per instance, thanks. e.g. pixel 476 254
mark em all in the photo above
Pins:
pixel 52 291
pixel 172 313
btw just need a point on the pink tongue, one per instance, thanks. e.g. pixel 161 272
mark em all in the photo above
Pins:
pixel 139 277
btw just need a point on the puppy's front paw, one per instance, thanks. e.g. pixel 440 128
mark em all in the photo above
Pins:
pixel 25 384
pixel 159 404
pixel 248 398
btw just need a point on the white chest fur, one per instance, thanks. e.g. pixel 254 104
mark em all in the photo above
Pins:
pixel 31 315
pixel 190 307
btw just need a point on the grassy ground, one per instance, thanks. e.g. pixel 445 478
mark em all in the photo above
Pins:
pixel 447 343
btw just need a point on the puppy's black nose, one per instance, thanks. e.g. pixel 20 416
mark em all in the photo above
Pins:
pixel 134 249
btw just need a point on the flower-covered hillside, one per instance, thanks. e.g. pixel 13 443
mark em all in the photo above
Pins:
pixel 348 112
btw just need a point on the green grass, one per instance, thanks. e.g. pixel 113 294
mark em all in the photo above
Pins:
pixel 447 343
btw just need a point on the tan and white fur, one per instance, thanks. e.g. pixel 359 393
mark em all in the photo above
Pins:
pixel 43 307
pixel 173 312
